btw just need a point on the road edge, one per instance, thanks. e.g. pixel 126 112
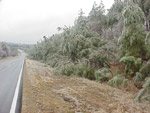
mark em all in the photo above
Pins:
pixel 16 94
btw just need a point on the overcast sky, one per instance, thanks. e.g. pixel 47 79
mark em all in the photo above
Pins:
pixel 27 21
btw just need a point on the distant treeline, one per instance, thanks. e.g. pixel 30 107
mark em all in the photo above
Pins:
pixel 8 50
pixel 11 49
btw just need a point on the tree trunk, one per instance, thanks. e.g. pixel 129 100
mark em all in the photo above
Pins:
pixel 147 25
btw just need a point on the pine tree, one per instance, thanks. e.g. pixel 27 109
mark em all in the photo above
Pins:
pixel 97 18
pixel 145 6
pixel 132 40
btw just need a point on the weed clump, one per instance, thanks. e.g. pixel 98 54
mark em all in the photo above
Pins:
pixel 144 90
pixel 117 81
pixel 85 70
pixel 67 69
pixel 102 75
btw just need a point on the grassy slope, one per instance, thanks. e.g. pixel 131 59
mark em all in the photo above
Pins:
pixel 45 93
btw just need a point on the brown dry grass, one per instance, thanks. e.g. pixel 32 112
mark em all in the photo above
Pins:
pixel 45 93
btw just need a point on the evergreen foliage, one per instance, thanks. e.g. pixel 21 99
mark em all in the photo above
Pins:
pixel 117 81
pixel 145 6
pixel 146 88
pixel 88 48
pixel 102 75
pixel 132 40
pixel 145 69
pixel 134 46
pixel 131 64
pixel 78 45
pixel 97 18
pixel 85 70
pixel 67 69
pixel 139 77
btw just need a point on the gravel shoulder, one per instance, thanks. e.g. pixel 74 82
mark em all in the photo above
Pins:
pixel 44 92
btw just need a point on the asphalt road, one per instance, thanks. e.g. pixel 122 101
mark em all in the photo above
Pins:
pixel 9 74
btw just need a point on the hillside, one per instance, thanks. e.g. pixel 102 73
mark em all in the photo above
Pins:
pixel 98 42
pixel 44 92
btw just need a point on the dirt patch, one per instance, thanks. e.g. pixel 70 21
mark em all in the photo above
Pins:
pixel 45 93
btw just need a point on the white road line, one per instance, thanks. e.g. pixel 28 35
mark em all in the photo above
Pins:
pixel 14 103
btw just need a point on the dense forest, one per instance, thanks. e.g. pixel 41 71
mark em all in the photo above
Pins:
pixel 118 38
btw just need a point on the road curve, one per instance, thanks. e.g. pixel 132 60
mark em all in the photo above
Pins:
pixel 9 74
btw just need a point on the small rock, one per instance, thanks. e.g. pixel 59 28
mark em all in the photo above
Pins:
pixel 67 99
